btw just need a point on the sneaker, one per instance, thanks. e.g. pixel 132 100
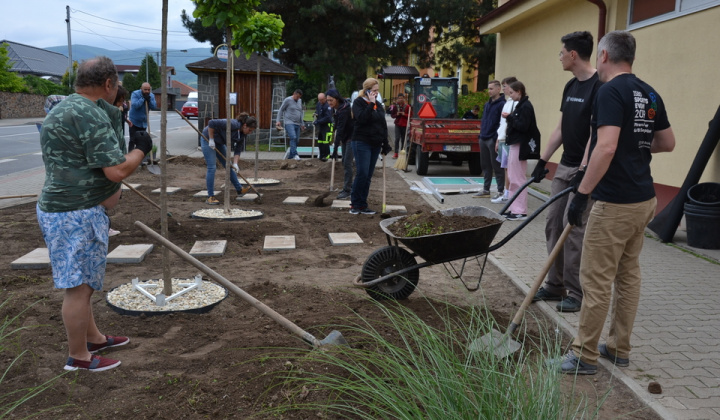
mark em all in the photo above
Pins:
pixel 395 156
pixel 297 157
pixel 343 194
pixel 354 211
pixel 367 211
pixel 515 216
pixel 569 304
pixel 96 364
pixel 499 198
pixel 543 294
pixel 113 232
pixel 482 194
pixel 212 200
pixel 571 364
pixel 617 361
pixel 243 191
pixel 110 341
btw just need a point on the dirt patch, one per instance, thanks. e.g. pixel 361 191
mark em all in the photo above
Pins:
pixel 434 223
pixel 213 365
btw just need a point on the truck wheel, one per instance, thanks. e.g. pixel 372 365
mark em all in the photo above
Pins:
pixel 474 164
pixel 422 159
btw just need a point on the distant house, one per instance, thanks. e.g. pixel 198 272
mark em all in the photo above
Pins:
pixel 211 74
pixel 26 59
pixel 183 90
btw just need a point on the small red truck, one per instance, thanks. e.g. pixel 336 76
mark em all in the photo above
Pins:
pixel 445 137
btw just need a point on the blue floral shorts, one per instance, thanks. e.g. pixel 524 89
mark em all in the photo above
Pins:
pixel 77 242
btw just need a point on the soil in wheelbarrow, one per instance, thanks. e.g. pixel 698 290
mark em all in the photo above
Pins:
pixel 215 365
pixel 434 223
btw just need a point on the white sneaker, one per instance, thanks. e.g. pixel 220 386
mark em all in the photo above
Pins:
pixel 113 232
pixel 297 157
pixel 499 198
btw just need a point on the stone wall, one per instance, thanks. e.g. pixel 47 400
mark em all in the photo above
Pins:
pixel 21 105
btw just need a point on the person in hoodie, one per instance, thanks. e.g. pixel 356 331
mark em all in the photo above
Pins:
pixel 369 139
pixel 344 125
pixel 488 137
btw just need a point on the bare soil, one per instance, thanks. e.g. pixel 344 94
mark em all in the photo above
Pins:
pixel 213 365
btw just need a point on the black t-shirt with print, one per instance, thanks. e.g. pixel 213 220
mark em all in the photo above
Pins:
pixel 634 106
pixel 576 108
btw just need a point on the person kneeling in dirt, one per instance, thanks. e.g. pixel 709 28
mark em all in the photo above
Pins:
pixel 215 132
pixel 343 131
pixel 249 124
pixel 85 161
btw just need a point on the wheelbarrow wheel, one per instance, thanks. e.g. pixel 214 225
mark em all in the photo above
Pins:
pixel 386 261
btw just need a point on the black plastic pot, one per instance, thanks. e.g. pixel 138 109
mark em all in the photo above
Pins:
pixel 703 225
pixel 705 194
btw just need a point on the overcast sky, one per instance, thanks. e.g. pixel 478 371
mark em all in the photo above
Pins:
pixel 105 24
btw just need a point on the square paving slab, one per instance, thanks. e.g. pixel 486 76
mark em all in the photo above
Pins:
pixel 129 254
pixel 340 204
pixel 247 197
pixel 204 193
pixel 33 260
pixel 209 248
pixel 136 186
pixel 344 238
pixel 170 190
pixel 279 243
pixel 394 208
pixel 296 200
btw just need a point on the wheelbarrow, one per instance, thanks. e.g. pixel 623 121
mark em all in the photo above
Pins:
pixel 392 272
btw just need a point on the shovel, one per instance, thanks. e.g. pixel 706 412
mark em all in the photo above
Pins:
pixel 334 338
pixel 502 345
pixel 318 202
pixel 152 167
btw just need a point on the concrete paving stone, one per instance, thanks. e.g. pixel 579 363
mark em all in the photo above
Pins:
pixel 394 208
pixel 699 403
pixel 279 243
pixel 344 238
pixel 704 392
pixel 209 248
pixel 689 414
pixel 129 254
pixel 679 373
pixel 340 204
pixel 249 197
pixel 295 200
pixel 204 193
pixel 710 382
pixel 169 190
pixel 673 404
pixel 37 259
pixel 125 188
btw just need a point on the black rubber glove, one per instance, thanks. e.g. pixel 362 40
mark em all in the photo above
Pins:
pixel 335 154
pixel 386 149
pixel 141 140
pixel 539 172
pixel 577 208
pixel 577 179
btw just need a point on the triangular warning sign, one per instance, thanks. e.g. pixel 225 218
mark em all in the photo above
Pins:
pixel 427 111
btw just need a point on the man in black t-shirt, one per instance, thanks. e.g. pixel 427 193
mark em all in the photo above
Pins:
pixel 629 123
pixel 572 132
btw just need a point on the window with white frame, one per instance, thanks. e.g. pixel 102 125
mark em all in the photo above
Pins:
pixel 646 12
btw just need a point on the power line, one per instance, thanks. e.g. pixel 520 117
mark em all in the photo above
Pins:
pixel 126 24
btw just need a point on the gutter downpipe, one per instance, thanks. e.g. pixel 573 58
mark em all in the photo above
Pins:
pixel 602 17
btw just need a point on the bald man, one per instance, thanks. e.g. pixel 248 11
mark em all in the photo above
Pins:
pixel 138 110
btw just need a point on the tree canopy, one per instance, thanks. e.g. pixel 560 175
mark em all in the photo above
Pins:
pixel 9 81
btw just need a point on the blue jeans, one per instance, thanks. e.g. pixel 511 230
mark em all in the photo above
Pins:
pixel 293 132
pixel 210 159
pixel 365 159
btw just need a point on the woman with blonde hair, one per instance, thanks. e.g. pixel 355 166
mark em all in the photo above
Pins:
pixel 370 138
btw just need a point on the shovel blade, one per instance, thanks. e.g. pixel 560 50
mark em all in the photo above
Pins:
pixel 497 343
pixel 335 338
pixel 154 169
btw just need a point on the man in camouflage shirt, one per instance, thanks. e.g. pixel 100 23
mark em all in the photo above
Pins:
pixel 85 161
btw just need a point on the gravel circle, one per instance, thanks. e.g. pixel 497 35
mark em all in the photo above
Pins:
pixel 127 297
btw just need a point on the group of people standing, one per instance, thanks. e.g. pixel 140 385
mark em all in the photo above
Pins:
pixel 611 122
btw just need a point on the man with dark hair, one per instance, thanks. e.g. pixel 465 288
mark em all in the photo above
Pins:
pixel 85 161
pixel 488 136
pixel 400 111
pixel 572 132
pixel 629 123
pixel 291 115
pixel 323 118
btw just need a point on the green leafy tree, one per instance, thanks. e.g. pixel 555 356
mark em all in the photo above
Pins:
pixel 9 81
pixel 43 87
pixel 212 34
pixel 68 79
pixel 131 82
pixel 260 34
pixel 151 75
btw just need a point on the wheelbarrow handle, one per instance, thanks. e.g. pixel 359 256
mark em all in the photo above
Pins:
pixel 517 193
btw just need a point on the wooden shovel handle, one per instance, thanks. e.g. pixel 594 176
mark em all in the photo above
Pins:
pixel 143 196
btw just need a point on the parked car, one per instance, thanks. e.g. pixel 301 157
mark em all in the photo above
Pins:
pixel 190 109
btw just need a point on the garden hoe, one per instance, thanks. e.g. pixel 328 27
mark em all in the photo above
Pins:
pixel 152 167
pixel 335 338
pixel 502 345
pixel 258 199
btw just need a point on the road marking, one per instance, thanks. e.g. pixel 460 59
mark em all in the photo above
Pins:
pixel 6 160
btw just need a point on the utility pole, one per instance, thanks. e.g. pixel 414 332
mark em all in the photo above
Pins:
pixel 70 62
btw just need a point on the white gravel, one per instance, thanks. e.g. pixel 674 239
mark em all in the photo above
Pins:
pixel 219 213
pixel 128 297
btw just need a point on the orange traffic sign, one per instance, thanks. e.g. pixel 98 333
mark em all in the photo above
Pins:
pixel 427 111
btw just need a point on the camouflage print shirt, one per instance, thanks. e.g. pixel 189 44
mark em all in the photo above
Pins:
pixel 80 137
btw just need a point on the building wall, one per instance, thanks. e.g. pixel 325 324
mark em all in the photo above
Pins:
pixel 21 105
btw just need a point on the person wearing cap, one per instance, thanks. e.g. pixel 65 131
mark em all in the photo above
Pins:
pixel 344 125
pixel 400 112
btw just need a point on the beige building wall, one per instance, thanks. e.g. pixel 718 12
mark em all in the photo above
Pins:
pixel 677 57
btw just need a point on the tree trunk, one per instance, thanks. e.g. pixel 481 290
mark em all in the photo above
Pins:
pixel 228 130
pixel 257 117
pixel 167 276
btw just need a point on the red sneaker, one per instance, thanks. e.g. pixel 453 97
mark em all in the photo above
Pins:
pixel 395 156
pixel 111 341
pixel 96 364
